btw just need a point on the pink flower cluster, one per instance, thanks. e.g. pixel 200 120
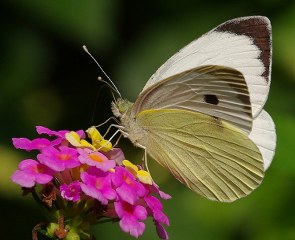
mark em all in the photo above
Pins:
pixel 82 172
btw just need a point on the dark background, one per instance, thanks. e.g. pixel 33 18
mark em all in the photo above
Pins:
pixel 47 79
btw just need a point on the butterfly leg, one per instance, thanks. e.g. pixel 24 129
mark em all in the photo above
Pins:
pixel 144 158
pixel 109 140
pixel 111 126
pixel 144 163
pixel 116 143
pixel 106 121
pixel 119 130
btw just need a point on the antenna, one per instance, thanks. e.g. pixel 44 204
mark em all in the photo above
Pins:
pixel 110 83
pixel 110 86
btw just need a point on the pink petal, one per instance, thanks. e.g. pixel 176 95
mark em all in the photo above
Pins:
pixel 98 187
pixel 164 195
pixel 127 194
pixel 27 163
pixel 40 143
pixel 44 130
pixel 118 176
pixel 160 217
pixel 155 188
pixel 161 231
pixel 116 154
pixel 51 157
pixel 21 143
pixel 153 203
pixel 43 178
pixel 86 157
pixel 132 226
pixel 71 192
pixel 81 133
pixel 93 192
pixel 23 179
pixel 28 177
pixel 140 212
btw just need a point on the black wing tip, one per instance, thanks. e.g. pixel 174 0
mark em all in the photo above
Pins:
pixel 250 26
pixel 257 28
pixel 248 20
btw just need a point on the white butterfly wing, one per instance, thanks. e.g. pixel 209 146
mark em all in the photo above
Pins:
pixel 263 134
pixel 242 43
pixel 213 90
pixel 206 154
pixel 195 114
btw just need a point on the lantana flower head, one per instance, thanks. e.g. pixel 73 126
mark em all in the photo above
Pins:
pixel 84 182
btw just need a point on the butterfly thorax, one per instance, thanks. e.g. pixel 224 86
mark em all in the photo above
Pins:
pixel 122 110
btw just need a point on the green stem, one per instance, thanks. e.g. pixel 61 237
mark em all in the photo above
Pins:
pixel 46 211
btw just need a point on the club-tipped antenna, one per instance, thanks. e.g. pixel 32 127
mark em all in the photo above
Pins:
pixel 110 86
pixel 110 83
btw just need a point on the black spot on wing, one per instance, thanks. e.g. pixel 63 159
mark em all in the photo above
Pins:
pixel 211 99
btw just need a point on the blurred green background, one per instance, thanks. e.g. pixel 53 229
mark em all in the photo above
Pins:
pixel 47 79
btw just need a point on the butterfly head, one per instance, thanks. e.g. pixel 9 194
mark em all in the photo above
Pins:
pixel 121 107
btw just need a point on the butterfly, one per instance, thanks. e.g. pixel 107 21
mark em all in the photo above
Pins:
pixel 201 116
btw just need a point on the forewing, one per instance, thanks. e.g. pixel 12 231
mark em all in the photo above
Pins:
pixel 263 134
pixel 213 90
pixel 207 154
pixel 242 43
